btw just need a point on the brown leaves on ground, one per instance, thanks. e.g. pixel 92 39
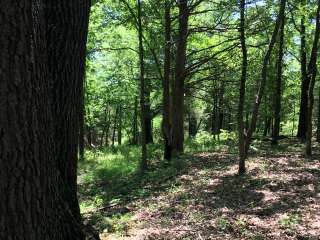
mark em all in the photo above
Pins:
pixel 279 198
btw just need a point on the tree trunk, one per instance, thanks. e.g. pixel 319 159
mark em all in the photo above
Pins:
pixel 104 135
pixel 180 75
pixel 278 93
pixel 267 126
pixel 242 90
pixel 31 206
pixel 82 124
pixel 106 141
pixel 305 81
pixel 135 123
pixel 120 126
pixel 166 122
pixel 148 113
pixel 318 120
pixel 67 26
pixel 115 126
pixel 312 73
pixel 143 163
pixel 262 83
pixel 193 124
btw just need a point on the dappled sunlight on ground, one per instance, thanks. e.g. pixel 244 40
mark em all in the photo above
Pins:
pixel 279 198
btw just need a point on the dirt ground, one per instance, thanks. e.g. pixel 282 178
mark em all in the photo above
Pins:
pixel 279 199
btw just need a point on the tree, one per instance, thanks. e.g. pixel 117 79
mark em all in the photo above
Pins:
pixel 278 92
pixel 144 163
pixel 67 26
pixel 242 91
pixel 262 84
pixel 179 82
pixel 166 124
pixel 311 76
pixel 30 180
pixel 302 126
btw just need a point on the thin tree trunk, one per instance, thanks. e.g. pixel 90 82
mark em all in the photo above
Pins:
pixel 267 126
pixel 220 107
pixel 120 126
pixel 148 114
pixel 115 126
pixel 180 75
pixel 193 124
pixel 262 83
pixel 278 94
pixel 312 73
pixel 242 90
pixel 305 81
pixel 143 163
pixel 135 123
pixel 105 125
pixel 166 124
pixel 106 142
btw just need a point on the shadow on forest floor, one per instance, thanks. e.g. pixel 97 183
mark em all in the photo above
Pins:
pixel 203 198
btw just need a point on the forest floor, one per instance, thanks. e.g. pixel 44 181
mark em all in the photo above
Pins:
pixel 202 197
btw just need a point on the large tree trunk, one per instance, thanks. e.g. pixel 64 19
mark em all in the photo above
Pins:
pixel 166 122
pixel 305 81
pixel 278 93
pixel 180 75
pixel 82 125
pixel 67 26
pixel 312 73
pixel 143 163
pixel 30 183
pixel 242 91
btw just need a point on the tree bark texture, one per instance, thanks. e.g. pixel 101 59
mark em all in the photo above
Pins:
pixel 67 26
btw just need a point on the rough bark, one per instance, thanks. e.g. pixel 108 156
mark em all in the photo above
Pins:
pixel 31 206
pixel 82 125
pixel 312 73
pixel 305 81
pixel 67 26
pixel 22 125
pixel 180 75
pixel 278 93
